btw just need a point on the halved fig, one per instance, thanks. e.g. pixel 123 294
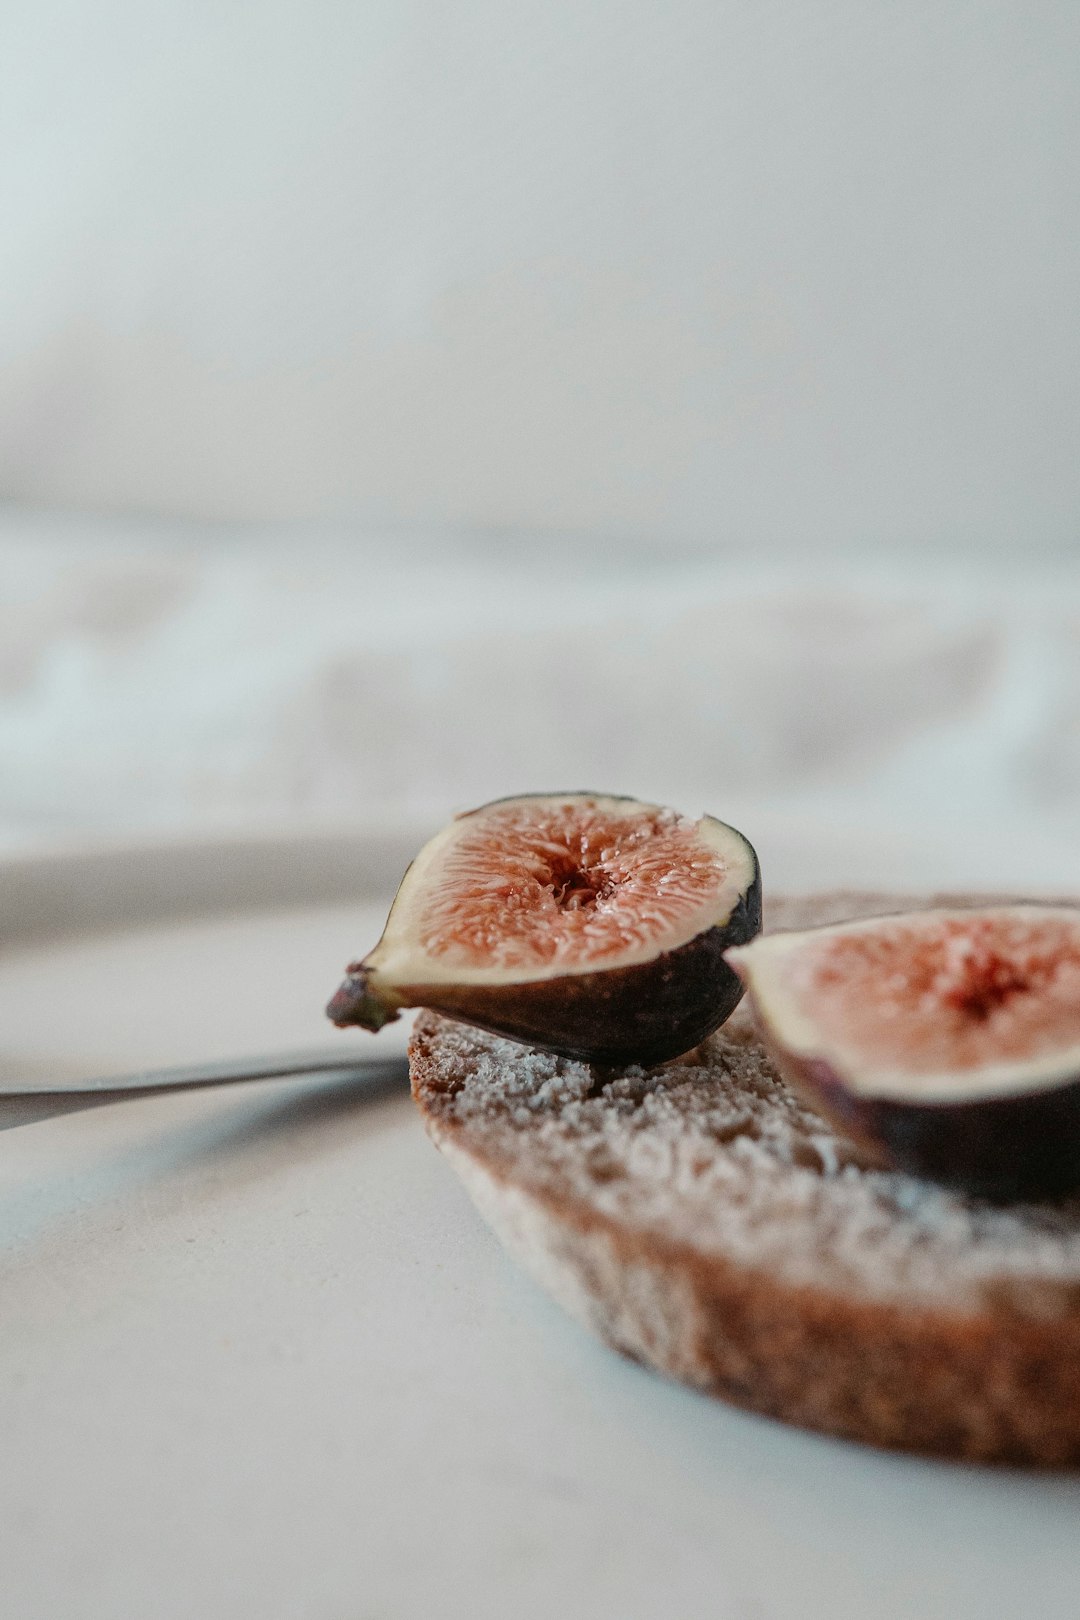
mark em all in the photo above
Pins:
pixel 585 925
pixel 946 1041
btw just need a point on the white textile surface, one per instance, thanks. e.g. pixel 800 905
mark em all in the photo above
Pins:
pixel 164 681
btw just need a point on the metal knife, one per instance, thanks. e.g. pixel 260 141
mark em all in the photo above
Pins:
pixel 22 1104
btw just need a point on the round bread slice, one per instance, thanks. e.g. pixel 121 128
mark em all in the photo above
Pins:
pixel 700 1219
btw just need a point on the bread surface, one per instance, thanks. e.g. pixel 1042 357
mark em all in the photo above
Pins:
pixel 700 1218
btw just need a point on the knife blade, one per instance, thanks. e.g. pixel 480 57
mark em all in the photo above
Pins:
pixel 21 1104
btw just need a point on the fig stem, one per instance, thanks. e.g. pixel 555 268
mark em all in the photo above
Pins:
pixel 356 1001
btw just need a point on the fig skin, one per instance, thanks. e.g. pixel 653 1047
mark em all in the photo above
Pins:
pixel 644 1013
pixel 1003 1148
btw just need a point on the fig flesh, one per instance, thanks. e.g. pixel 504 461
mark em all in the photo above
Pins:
pixel 947 1042
pixel 586 925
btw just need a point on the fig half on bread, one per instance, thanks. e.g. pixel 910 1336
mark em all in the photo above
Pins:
pixel 587 925
pixel 947 1042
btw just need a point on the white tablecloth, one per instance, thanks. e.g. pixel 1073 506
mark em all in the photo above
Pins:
pixel 183 680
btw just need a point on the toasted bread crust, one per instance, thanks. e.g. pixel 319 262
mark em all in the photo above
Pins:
pixel 699 1219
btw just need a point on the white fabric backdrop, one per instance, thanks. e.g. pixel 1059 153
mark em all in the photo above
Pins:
pixel 764 284
pixel 169 681
pixel 782 273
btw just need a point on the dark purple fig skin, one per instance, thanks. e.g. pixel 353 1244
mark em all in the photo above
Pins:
pixel 1001 1148
pixel 643 1014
